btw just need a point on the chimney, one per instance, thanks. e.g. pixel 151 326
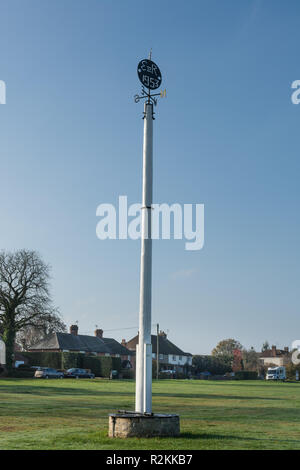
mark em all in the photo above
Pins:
pixel 163 334
pixel 99 333
pixel 273 351
pixel 74 330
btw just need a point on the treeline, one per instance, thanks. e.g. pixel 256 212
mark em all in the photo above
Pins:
pixel 212 364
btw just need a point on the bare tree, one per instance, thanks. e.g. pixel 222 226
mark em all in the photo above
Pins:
pixel 251 359
pixel 24 295
pixel 44 326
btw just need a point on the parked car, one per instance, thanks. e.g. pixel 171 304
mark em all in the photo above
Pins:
pixel 48 373
pixel 79 374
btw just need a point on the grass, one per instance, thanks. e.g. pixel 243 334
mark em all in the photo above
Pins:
pixel 73 414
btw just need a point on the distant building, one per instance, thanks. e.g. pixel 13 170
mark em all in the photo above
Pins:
pixel 278 357
pixel 85 344
pixel 171 357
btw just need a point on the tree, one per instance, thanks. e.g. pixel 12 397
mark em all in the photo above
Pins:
pixel 265 346
pixel 24 295
pixel 214 365
pixel 237 363
pixel 251 359
pixel 47 324
pixel 225 349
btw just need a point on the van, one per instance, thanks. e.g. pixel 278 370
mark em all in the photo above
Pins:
pixel 276 373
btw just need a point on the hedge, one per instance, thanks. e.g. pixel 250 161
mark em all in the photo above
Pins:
pixel 245 375
pixel 128 374
pixel 45 359
pixel 22 373
pixel 101 366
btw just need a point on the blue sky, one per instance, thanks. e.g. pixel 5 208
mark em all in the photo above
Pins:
pixel 225 136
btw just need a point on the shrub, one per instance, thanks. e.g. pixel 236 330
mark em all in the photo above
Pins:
pixel 93 363
pixel 291 371
pixel 116 364
pixel 22 373
pixel 45 359
pixel 106 366
pixel 212 364
pixel 72 359
pixel 127 374
pixel 246 375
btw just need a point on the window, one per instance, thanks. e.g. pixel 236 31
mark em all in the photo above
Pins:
pixel 161 356
pixel 180 358
pixel 174 358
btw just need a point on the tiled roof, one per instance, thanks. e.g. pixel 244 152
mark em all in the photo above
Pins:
pixel 270 353
pixel 70 342
pixel 115 347
pixel 164 346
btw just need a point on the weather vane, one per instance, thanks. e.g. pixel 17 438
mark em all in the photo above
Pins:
pixel 150 77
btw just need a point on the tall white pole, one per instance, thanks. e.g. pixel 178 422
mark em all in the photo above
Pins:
pixel 144 350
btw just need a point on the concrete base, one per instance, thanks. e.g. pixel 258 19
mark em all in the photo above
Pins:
pixel 131 424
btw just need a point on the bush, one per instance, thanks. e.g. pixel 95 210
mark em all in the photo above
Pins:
pixel 116 364
pixel 165 375
pixel 93 363
pixel 245 375
pixel 45 359
pixel 127 374
pixel 22 373
pixel 212 364
pixel 106 366
pixel 291 371
pixel 72 359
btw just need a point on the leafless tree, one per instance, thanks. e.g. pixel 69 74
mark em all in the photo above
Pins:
pixel 24 295
pixel 44 326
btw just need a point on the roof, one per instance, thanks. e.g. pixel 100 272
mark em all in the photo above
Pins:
pixel 68 341
pixel 270 353
pixel 115 347
pixel 164 346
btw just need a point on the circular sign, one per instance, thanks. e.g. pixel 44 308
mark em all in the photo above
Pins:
pixel 149 74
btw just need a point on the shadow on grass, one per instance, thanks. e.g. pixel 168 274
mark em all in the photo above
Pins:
pixel 211 437
pixel 48 390
pixel 42 389
pixel 262 384
pixel 214 397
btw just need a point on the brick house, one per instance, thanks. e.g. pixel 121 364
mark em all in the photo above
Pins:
pixel 73 342
pixel 171 357
pixel 274 356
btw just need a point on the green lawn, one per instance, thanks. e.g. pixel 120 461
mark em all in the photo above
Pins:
pixel 73 414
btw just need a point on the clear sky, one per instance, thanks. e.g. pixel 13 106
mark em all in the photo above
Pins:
pixel 227 136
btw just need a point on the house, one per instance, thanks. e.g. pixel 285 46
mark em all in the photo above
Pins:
pixel 85 344
pixel 170 357
pixel 274 356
